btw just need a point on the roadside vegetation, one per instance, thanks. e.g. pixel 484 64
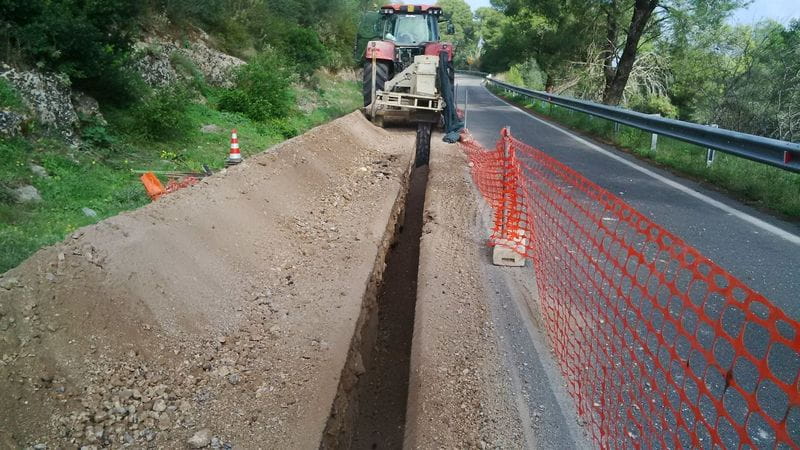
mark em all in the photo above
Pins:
pixel 758 184
pixel 294 49
pixel 681 59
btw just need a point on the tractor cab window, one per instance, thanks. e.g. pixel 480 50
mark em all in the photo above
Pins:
pixel 411 29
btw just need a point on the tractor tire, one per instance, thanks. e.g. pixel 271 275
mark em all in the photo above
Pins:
pixel 423 153
pixel 381 77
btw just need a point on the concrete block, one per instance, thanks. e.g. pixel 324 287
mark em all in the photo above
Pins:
pixel 504 255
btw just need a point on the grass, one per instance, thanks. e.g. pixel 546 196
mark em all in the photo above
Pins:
pixel 761 185
pixel 101 175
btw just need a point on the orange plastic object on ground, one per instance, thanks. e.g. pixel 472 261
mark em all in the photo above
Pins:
pixel 153 186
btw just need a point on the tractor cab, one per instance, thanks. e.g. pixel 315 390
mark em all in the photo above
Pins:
pixel 410 29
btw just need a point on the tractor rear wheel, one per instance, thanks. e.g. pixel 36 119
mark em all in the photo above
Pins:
pixel 381 77
pixel 423 154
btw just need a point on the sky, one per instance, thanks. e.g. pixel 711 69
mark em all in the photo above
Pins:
pixel 781 10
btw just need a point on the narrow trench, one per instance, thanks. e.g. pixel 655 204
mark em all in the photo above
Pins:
pixel 383 389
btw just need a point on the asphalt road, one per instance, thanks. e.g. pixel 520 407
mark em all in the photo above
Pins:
pixel 760 250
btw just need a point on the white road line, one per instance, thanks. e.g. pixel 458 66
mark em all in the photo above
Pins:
pixel 793 238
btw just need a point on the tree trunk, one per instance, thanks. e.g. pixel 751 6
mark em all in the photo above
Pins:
pixel 549 84
pixel 610 47
pixel 642 11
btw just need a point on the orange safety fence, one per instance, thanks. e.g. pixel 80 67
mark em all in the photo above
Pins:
pixel 659 346
pixel 155 189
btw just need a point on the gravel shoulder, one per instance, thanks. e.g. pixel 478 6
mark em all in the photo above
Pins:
pixel 458 397
pixel 218 316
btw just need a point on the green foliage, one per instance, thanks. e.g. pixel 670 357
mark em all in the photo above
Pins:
pixel 9 97
pixel 654 104
pixel 304 50
pixel 97 136
pixel 188 68
pixel 263 89
pixel 162 114
pixel 83 39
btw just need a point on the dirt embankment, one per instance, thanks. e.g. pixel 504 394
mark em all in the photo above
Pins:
pixel 219 316
pixel 458 397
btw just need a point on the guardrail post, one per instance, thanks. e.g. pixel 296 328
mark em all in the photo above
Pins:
pixel 711 154
pixel 616 127
pixel 654 138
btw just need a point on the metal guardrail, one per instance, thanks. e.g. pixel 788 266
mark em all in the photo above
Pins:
pixel 782 154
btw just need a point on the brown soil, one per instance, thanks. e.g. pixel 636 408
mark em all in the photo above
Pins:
pixel 229 306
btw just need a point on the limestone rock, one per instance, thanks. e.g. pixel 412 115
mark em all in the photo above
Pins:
pixel 11 123
pixel 49 97
pixel 27 194
pixel 200 439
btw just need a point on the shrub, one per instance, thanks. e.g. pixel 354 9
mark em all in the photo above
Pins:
pixel 263 89
pixel 654 104
pixel 163 114
pixel 304 49
pixel 9 98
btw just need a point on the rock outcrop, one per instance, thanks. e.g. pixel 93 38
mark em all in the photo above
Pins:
pixel 156 56
pixel 48 96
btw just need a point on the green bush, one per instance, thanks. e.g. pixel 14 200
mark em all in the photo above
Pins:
pixel 304 49
pixel 9 98
pixel 654 104
pixel 79 38
pixel 263 89
pixel 163 114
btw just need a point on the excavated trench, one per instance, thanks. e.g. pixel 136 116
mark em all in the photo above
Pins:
pixel 370 408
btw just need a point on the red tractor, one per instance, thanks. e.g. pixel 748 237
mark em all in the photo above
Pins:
pixel 408 70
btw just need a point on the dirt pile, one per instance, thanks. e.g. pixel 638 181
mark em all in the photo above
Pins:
pixel 459 394
pixel 219 316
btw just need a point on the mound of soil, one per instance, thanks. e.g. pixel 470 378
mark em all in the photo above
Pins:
pixel 218 316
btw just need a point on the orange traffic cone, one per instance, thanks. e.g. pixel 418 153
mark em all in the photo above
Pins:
pixel 235 157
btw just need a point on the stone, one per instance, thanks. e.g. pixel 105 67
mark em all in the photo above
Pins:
pixel 210 129
pixel 89 212
pixel 38 170
pixel 87 107
pixel 9 283
pixel 159 406
pixel 200 439
pixel 11 123
pixel 49 98
pixel 27 194
pixel 234 379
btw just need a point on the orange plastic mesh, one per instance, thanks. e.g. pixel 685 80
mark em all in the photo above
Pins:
pixel 659 346
pixel 152 185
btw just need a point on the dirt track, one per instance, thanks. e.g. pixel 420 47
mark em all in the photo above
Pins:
pixel 229 306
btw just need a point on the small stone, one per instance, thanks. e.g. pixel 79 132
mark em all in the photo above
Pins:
pixel 38 170
pixel 215 443
pixel 27 194
pixel 164 422
pixel 210 129
pixel 89 212
pixel 9 283
pixel 40 447
pixel 159 406
pixel 200 439
pixel 50 277
pixel 234 379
